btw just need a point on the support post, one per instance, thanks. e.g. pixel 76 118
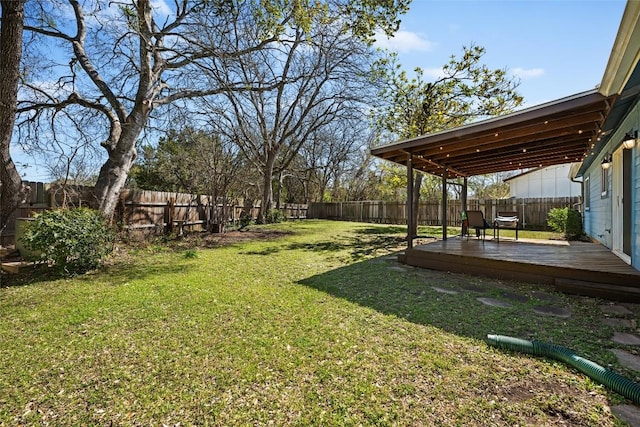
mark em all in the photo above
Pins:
pixel 410 201
pixel 463 203
pixel 444 205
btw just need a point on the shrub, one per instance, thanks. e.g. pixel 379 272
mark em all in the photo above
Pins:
pixel 274 216
pixel 245 220
pixel 75 240
pixel 566 221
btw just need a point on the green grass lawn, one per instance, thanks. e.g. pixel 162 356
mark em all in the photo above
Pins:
pixel 315 326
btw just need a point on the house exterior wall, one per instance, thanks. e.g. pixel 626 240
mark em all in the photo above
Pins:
pixel 598 216
pixel 552 181
pixel 635 219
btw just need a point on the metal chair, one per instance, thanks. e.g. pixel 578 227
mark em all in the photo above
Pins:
pixel 475 219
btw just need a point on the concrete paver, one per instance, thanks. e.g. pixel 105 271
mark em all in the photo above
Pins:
pixel 514 296
pixel 549 310
pixel 627 413
pixel 445 290
pixel 615 309
pixel 544 296
pixel 620 323
pixel 625 338
pixel 494 302
pixel 627 359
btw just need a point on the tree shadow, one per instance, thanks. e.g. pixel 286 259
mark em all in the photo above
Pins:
pixel 399 229
pixel 453 303
pixel 118 274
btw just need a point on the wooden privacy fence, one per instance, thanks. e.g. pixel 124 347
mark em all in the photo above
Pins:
pixel 177 212
pixel 533 211
pixel 148 212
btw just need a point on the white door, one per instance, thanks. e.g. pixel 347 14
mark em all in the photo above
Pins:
pixel 618 222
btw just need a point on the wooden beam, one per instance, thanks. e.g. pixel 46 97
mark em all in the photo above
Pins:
pixel 444 206
pixel 410 201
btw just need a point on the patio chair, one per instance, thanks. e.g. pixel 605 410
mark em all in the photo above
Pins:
pixel 475 219
pixel 507 220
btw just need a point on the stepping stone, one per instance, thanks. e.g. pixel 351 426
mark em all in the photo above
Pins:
pixel 544 296
pixel 624 338
pixel 494 302
pixel 549 310
pixel 444 290
pixel 473 288
pixel 615 309
pixel 514 297
pixel 628 413
pixel 400 269
pixel 620 323
pixel 627 359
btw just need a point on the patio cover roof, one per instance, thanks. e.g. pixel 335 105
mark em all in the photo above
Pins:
pixel 561 131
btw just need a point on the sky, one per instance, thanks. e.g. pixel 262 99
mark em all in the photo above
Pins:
pixel 556 48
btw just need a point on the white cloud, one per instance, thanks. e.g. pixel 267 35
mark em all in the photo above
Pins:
pixel 161 9
pixel 404 42
pixel 433 73
pixel 527 73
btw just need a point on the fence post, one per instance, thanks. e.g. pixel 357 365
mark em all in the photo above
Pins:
pixel 169 215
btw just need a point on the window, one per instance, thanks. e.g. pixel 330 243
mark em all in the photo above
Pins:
pixel 587 194
pixel 605 182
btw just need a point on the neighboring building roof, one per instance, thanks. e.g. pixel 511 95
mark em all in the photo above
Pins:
pixel 527 172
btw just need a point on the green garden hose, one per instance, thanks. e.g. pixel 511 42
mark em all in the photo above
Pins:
pixel 615 382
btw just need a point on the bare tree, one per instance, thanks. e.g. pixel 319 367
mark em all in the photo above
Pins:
pixel 11 188
pixel 126 60
pixel 319 76
pixel 327 154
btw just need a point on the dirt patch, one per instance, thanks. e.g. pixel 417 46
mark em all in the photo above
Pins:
pixel 213 240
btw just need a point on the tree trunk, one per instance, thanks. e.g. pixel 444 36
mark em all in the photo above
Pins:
pixel 279 190
pixel 114 172
pixel 267 190
pixel 11 189
pixel 417 184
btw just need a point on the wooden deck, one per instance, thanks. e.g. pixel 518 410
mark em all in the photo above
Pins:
pixel 573 267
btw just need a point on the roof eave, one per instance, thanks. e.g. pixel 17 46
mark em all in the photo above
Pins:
pixel 625 52
pixel 531 113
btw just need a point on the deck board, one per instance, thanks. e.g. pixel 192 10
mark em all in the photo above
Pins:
pixel 537 261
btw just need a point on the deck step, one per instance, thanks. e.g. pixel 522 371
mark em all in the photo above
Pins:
pixel 629 293
pixel 402 258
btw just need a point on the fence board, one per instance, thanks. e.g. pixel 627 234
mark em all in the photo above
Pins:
pixel 146 212
pixel 533 212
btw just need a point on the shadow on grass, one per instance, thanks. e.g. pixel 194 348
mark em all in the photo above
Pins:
pixel 367 243
pixel 356 249
pixel 396 229
pixel 451 302
pixel 118 274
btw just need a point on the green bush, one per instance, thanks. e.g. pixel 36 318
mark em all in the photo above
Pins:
pixel 245 220
pixel 275 216
pixel 566 221
pixel 74 240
